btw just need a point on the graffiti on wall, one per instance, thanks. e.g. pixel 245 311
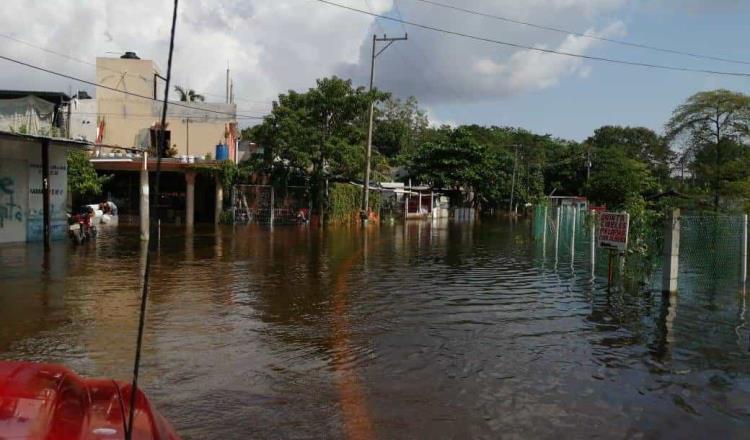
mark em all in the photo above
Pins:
pixel 10 211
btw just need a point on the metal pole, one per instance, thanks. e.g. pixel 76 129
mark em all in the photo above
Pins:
pixel 557 232
pixel 573 237
pixel 544 234
pixel 593 243
pixel 743 280
pixel 513 184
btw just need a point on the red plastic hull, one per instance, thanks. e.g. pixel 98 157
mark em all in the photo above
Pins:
pixel 42 401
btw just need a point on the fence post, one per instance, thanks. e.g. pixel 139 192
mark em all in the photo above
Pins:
pixel 671 253
pixel 544 230
pixel 593 242
pixel 557 232
pixel 743 279
pixel 573 237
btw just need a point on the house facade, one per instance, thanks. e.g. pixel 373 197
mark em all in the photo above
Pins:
pixel 25 161
pixel 131 119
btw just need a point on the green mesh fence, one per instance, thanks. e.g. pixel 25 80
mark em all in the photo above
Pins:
pixel 711 249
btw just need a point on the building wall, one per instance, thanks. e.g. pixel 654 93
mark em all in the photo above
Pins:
pixel 83 119
pixel 128 119
pixel 21 205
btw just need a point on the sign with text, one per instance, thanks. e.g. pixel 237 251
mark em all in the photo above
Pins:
pixel 613 230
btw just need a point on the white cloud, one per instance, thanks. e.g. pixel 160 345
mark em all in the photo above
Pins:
pixel 276 45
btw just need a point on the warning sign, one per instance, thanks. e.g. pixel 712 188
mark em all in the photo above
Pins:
pixel 613 230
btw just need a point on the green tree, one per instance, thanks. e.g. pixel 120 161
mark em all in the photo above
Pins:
pixel 714 126
pixel 83 181
pixel 399 127
pixel 639 143
pixel 617 179
pixel 321 133
pixel 459 162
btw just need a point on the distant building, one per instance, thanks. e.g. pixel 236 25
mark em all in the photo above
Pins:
pixel 579 202
pixel 83 117
pixel 40 113
pixel 131 119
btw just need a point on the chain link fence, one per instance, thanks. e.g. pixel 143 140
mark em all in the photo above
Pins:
pixel 712 252
pixel 264 204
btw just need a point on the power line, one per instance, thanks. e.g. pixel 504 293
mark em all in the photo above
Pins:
pixel 583 34
pixel 125 116
pixel 125 92
pixel 119 72
pixel 537 49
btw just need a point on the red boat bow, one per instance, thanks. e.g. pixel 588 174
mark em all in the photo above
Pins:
pixel 42 401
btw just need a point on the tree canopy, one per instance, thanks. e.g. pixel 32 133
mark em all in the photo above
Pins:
pixel 714 127
pixel 320 134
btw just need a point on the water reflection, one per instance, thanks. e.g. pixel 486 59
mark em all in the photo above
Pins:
pixel 406 330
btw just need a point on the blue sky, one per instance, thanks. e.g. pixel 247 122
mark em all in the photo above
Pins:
pixel 625 95
pixel 273 46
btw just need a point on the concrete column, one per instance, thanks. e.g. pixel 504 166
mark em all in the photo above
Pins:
pixel 144 207
pixel 671 252
pixel 419 210
pixel 190 198
pixel 219 201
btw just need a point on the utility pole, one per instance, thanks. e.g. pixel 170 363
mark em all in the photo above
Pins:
pixel 513 181
pixel 227 86
pixel 375 39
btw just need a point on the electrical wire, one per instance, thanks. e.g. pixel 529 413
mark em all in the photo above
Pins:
pixel 147 269
pixel 125 92
pixel 119 72
pixel 173 116
pixel 536 49
pixel 583 34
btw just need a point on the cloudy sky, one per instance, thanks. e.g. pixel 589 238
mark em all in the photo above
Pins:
pixel 275 45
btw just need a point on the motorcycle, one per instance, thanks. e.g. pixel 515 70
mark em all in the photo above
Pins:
pixel 80 225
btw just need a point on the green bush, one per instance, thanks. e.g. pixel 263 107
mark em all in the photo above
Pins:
pixel 345 202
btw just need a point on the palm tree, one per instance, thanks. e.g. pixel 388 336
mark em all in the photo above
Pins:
pixel 189 94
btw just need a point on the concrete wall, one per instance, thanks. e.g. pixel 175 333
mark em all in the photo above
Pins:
pixel 21 207
pixel 83 119
pixel 128 119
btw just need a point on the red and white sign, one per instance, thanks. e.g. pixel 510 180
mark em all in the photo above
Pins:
pixel 613 230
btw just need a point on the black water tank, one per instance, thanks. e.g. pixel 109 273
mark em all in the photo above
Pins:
pixel 130 56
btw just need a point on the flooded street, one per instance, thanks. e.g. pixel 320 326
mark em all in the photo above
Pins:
pixel 416 331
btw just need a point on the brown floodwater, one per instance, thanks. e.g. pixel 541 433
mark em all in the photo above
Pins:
pixel 400 331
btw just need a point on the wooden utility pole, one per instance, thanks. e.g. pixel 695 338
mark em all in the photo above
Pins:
pixel 375 39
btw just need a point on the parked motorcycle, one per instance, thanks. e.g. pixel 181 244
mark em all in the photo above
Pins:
pixel 81 226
